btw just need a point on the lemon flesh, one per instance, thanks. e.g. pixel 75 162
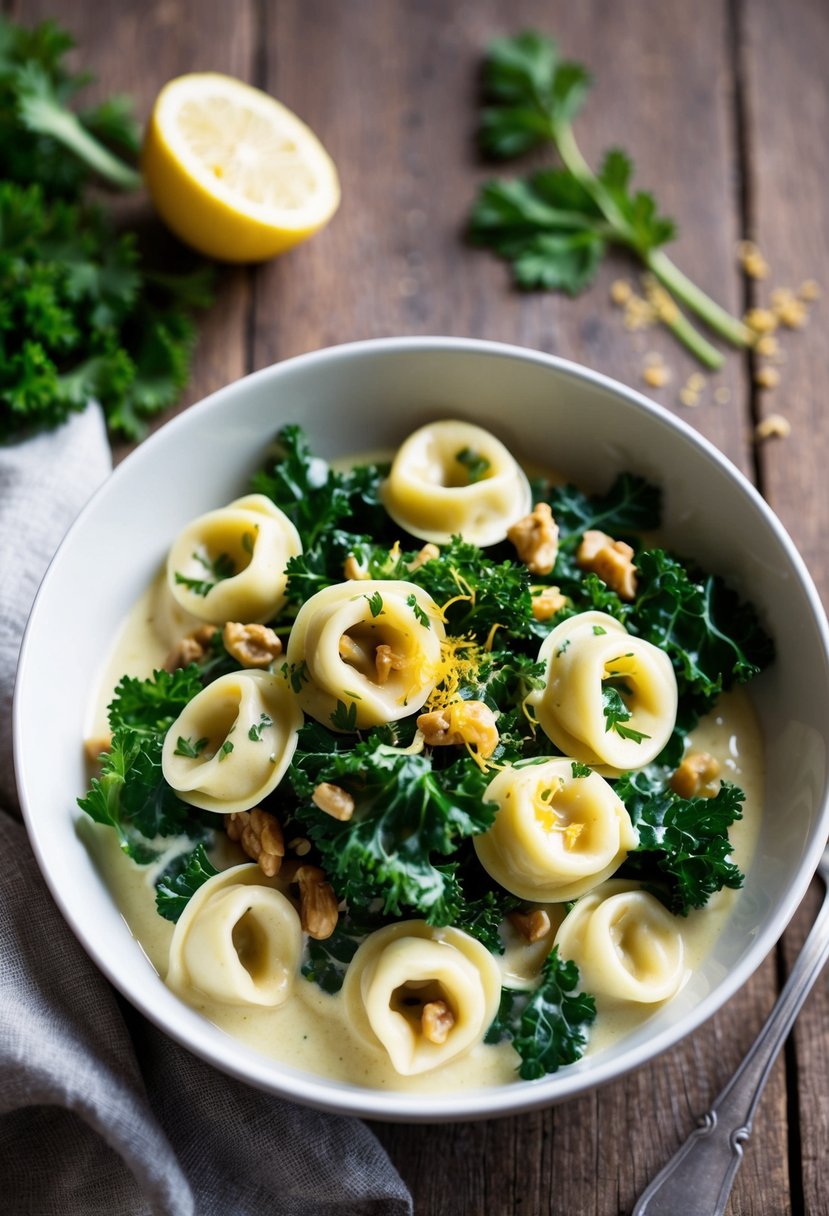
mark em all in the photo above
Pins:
pixel 233 172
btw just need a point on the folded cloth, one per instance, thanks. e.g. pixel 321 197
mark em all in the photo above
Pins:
pixel 100 1113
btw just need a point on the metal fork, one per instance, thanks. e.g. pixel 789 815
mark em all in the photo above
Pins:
pixel 698 1179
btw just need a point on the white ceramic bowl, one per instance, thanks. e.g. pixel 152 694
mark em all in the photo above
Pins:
pixel 368 395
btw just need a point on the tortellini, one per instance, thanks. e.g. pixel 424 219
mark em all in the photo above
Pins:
pixel 238 941
pixel 425 995
pixel 368 648
pixel 555 834
pixel 609 698
pixel 230 746
pixel 229 565
pixel 625 944
pixel 451 478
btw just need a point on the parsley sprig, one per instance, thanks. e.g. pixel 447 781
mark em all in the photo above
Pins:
pixel 555 226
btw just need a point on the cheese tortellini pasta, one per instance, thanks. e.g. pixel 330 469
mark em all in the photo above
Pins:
pixel 231 744
pixel 238 941
pixel 625 943
pixel 451 478
pixel 424 995
pixel 372 646
pixel 229 565
pixel 555 834
pixel 609 698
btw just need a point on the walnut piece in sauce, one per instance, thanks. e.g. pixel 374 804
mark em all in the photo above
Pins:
pixel 251 645
pixel 260 835
pixel 696 776
pixel 462 722
pixel 611 559
pixel 535 538
pixel 190 648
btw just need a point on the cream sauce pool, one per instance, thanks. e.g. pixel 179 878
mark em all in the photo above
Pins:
pixel 310 1031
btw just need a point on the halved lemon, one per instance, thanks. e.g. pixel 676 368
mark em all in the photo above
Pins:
pixel 233 172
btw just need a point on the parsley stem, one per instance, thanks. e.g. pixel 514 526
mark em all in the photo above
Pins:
pixel 65 127
pixel 669 275
pixel 717 318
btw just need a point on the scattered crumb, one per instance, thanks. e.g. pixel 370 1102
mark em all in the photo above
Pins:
pixel 696 382
pixel 656 375
pixel 639 314
pixel 722 395
pixel 767 377
pixel 767 346
pixel 773 427
pixel 620 291
pixel 792 313
pixel 761 320
pixel 809 290
pixel 688 397
pixel 752 260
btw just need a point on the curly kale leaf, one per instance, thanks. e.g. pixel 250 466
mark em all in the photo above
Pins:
pixel 318 500
pixel 131 796
pixel 683 842
pixel 180 882
pixel 485 592
pixel 632 504
pixel 549 1025
pixel 149 707
pixel 712 638
pixel 326 962
pixel 406 814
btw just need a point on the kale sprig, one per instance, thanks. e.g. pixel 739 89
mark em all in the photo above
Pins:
pixel 408 818
pixel 684 849
pixel 555 225
pixel 548 1025
pixel 83 315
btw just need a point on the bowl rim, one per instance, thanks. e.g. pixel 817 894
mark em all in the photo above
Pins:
pixel 199 1036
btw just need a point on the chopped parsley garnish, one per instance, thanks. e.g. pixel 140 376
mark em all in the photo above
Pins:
pixel 225 750
pixel 218 568
pixel 375 603
pixel 477 466
pixel 420 613
pixel 580 770
pixel 616 711
pixel 186 747
pixel 255 732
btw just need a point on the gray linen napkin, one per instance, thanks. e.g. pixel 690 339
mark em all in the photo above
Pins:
pixel 100 1113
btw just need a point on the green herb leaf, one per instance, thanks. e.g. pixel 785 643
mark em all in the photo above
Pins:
pixel 683 843
pixel 181 880
pixel 476 465
pixel 548 1026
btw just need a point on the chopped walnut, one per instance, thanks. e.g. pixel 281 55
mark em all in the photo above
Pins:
pixel 96 746
pixel 531 925
pixel 548 603
pixel 191 648
pixel 352 569
pixel 611 559
pixel 259 834
pixel 386 661
pixel 334 800
pixel 462 722
pixel 317 902
pixel 251 645
pixel 427 554
pixel 536 539
pixel 437 1020
pixel 695 776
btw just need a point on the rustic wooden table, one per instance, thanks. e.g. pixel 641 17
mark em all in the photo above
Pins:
pixel 724 105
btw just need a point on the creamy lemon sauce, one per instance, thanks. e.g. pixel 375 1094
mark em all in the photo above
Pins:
pixel 310 1032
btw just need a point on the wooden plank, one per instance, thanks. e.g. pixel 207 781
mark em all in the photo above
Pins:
pixel 136 50
pixel 396 104
pixel 785 52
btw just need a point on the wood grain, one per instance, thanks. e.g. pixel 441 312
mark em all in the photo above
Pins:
pixel 784 60
pixel 727 140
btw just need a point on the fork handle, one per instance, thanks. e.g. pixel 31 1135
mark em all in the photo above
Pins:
pixel 698 1179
